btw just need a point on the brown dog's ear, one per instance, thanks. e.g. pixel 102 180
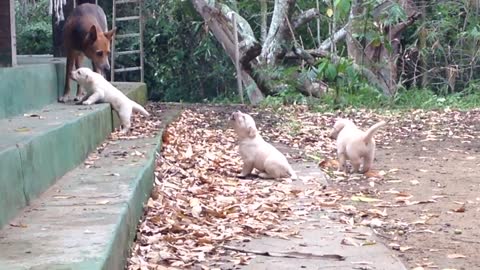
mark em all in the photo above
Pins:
pixel 92 35
pixel 109 35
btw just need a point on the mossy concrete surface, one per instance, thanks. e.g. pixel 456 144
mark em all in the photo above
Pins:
pixel 88 219
pixel 35 151
pixel 38 148
pixel 38 80
pixel 26 88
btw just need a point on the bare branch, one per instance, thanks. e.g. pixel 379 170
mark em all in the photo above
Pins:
pixel 278 32
pixel 305 17
pixel 339 35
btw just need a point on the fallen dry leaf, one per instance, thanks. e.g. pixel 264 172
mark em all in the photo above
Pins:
pixel 461 209
pixel 364 199
pixel 456 256
pixel 329 163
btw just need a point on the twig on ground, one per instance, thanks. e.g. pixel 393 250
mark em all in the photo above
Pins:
pixel 291 254
pixel 465 240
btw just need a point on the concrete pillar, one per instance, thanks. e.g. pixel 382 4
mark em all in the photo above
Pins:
pixel 8 42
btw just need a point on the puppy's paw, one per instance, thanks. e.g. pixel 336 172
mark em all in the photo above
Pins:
pixel 264 175
pixel 242 176
pixel 87 102
pixel 79 97
pixel 124 131
pixel 64 99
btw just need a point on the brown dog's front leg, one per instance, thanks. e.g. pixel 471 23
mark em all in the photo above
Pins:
pixel 80 93
pixel 66 92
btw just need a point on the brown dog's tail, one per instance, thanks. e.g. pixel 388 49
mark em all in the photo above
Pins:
pixel 138 108
pixel 371 131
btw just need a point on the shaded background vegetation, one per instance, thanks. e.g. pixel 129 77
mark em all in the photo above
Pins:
pixel 184 62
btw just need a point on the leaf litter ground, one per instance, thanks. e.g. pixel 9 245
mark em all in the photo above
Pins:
pixel 421 198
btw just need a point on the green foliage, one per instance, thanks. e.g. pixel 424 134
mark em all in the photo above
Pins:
pixel 364 97
pixel 340 76
pixel 184 62
pixel 450 34
pixel 33 27
pixel 342 8
pixel 428 99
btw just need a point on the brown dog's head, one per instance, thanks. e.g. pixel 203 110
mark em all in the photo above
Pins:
pixel 97 47
pixel 243 124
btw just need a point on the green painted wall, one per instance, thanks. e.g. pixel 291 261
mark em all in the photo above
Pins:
pixel 25 88
pixel 36 82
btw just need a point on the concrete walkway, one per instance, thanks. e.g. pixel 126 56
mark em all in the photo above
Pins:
pixel 322 236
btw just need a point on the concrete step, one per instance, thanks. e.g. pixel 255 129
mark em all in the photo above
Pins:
pixel 38 148
pixel 88 218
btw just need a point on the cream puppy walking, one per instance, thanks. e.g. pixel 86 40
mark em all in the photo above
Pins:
pixel 257 153
pixel 354 144
pixel 99 89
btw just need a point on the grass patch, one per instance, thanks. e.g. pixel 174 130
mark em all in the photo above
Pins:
pixel 370 98
pixel 428 100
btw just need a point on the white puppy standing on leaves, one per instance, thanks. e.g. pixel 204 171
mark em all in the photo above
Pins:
pixel 257 153
pixel 354 144
pixel 99 89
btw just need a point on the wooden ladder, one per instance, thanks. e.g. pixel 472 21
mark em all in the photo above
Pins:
pixel 116 52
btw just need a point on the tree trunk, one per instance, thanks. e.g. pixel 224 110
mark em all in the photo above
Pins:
pixel 263 25
pixel 278 34
pixel 222 29
pixel 381 58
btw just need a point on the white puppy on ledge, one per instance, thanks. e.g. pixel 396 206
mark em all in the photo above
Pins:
pixel 257 153
pixel 100 90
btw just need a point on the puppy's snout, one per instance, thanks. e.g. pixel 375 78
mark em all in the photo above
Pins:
pixel 72 75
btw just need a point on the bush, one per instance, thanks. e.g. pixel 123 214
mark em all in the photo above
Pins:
pixel 35 39
pixel 183 62
pixel 33 27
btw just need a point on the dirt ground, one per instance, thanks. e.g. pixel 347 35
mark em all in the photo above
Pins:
pixel 422 198
pixel 446 171
pixel 430 194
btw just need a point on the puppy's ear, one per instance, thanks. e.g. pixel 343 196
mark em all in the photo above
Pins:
pixel 339 125
pixel 252 132
pixel 88 78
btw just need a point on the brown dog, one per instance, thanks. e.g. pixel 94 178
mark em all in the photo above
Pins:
pixel 86 34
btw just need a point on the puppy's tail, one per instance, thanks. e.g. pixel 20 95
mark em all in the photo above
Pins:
pixel 138 108
pixel 371 131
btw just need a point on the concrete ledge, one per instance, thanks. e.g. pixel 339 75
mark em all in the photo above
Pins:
pixel 36 151
pixel 43 149
pixel 88 219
